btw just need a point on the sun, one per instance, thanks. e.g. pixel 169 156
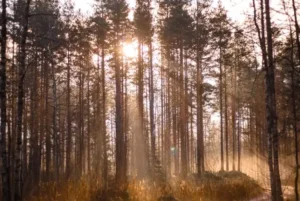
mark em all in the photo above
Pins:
pixel 130 49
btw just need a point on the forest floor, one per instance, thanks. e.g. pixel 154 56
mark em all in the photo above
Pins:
pixel 288 194
pixel 221 186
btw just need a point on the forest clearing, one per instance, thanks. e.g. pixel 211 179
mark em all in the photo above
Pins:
pixel 149 100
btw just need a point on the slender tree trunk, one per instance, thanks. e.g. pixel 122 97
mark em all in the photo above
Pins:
pixel 48 134
pixel 226 121
pixel 200 127
pixel 151 101
pixel 120 138
pixel 186 111
pixel 182 117
pixel 271 113
pixel 69 119
pixel 294 99
pixel 221 110
pixel 24 148
pixel 5 170
pixel 105 159
pixel 295 127
pixel 88 125
pixel 168 118
pixel 239 138
pixel 125 117
pixel 200 133
pixel 34 159
pixel 54 121
pixel 297 28
pixel 99 137
pixel 22 66
pixel 233 113
pixel 140 169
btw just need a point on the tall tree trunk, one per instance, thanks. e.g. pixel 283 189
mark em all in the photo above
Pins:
pixel 239 138
pixel 22 66
pixel 105 159
pixel 48 134
pixel 34 148
pixel 168 118
pixel 226 121
pixel 294 99
pixel 182 117
pixel 233 113
pixel 271 113
pixel 120 138
pixel 200 133
pixel 140 167
pixel 151 101
pixel 294 106
pixel 99 137
pixel 6 188
pixel 125 116
pixel 69 118
pixel 54 122
pixel 221 110
pixel 200 129
pixel 88 125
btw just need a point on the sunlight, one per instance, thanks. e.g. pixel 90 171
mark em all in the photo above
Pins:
pixel 95 59
pixel 130 49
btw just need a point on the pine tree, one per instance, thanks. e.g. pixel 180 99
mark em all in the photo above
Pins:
pixel 221 34
pixel 117 13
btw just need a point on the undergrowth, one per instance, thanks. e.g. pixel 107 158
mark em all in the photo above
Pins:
pixel 222 186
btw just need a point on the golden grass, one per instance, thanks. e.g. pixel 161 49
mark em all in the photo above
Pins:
pixel 223 186
pixel 71 191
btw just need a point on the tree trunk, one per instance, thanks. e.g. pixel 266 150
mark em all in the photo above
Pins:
pixel 226 121
pixel 54 122
pixel 22 67
pixel 272 114
pixel 200 133
pixel 294 106
pixel 48 134
pixel 5 170
pixel 88 125
pixel 221 110
pixel 233 113
pixel 151 101
pixel 120 138
pixel 105 159
pixel 69 119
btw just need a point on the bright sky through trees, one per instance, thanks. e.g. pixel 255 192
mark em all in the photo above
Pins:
pixel 238 8
pixel 149 100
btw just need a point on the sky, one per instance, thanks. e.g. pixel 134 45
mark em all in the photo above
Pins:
pixel 237 7
pixel 86 5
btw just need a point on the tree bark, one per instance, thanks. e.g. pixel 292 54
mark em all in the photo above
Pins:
pixel 271 113
pixel 6 188
pixel 22 66
pixel 294 106
pixel 221 110
pixel 151 101
pixel 105 159
pixel 294 99
pixel 69 118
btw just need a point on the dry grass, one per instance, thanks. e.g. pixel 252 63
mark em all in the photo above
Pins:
pixel 223 186
pixel 71 191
